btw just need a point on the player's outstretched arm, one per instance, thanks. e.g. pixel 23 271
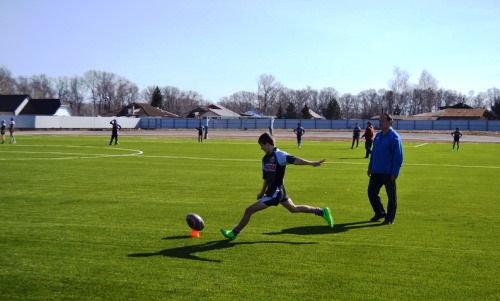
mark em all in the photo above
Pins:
pixel 300 161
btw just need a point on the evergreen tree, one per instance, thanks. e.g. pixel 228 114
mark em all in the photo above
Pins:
pixel 280 114
pixel 332 110
pixel 305 113
pixel 157 98
pixel 291 111
pixel 496 109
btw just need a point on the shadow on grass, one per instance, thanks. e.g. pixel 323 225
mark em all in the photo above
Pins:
pixel 190 252
pixel 316 230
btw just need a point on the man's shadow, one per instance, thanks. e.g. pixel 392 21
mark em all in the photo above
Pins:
pixel 190 252
pixel 317 230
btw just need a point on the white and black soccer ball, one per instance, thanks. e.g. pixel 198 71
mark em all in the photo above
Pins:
pixel 195 222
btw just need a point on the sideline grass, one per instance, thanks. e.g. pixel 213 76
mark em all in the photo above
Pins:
pixel 83 221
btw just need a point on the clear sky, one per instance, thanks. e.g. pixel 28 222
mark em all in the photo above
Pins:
pixel 219 47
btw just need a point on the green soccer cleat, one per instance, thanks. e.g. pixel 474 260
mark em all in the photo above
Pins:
pixel 327 215
pixel 228 234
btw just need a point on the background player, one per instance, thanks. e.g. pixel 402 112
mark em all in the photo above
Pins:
pixel 456 139
pixel 299 131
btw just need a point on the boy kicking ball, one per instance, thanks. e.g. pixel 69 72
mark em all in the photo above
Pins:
pixel 273 191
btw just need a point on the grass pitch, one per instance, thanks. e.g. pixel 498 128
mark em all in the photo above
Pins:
pixel 81 220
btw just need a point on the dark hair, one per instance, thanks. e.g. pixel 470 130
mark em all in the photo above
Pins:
pixel 388 117
pixel 266 139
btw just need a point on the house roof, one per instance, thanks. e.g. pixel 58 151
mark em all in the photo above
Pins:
pixel 41 107
pixel 10 103
pixel 140 109
pixel 315 115
pixel 219 111
pixel 195 112
pixel 454 113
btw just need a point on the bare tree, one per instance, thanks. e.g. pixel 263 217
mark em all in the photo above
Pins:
pixel 147 94
pixel 493 96
pixel 91 79
pixel 22 85
pixel 300 98
pixel 180 102
pixel 399 83
pixel 427 81
pixel 370 103
pixel 479 101
pixel 77 90
pixel 171 99
pixel 189 100
pixel 7 83
pixel 240 101
pixel 126 93
pixel 41 87
pixel 346 103
pixel 106 91
pixel 267 93
pixel 325 96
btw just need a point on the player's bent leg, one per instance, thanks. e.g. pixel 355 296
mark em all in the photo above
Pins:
pixel 249 211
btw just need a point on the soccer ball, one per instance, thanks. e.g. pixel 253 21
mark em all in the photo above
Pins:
pixel 195 222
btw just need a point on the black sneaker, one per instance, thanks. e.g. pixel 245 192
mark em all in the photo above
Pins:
pixel 376 217
pixel 387 223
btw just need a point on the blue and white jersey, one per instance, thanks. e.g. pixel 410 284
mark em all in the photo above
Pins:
pixel 299 131
pixel 273 169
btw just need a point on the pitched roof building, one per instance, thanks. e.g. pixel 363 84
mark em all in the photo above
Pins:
pixel 447 114
pixel 140 110
pixel 212 111
pixel 41 107
pixel 13 104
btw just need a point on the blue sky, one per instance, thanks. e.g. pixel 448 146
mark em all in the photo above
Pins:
pixel 221 47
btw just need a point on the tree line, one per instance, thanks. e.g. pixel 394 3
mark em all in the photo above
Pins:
pixel 99 92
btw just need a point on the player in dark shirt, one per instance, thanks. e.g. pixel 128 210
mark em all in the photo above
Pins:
pixel 299 131
pixel 3 131
pixel 200 133
pixel 456 139
pixel 355 135
pixel 114 131
pixel 273 190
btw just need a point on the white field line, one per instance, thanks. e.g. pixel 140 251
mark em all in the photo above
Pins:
pixel 326 162
pixel 421 145
pixel 139 152
pixel 72 155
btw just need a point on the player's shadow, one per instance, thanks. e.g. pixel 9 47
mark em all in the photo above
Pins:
pixel 191 252
pixel 317 230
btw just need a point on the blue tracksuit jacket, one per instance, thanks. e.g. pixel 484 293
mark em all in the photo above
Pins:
pixel 387 154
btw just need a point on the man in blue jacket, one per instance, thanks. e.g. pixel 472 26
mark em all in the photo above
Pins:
pixel 385 163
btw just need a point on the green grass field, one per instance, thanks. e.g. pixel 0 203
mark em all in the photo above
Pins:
pixel 80 220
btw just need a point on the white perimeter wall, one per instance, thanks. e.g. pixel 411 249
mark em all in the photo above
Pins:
pixel 68 122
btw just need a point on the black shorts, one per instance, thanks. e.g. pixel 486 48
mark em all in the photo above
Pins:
pixel 277 197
